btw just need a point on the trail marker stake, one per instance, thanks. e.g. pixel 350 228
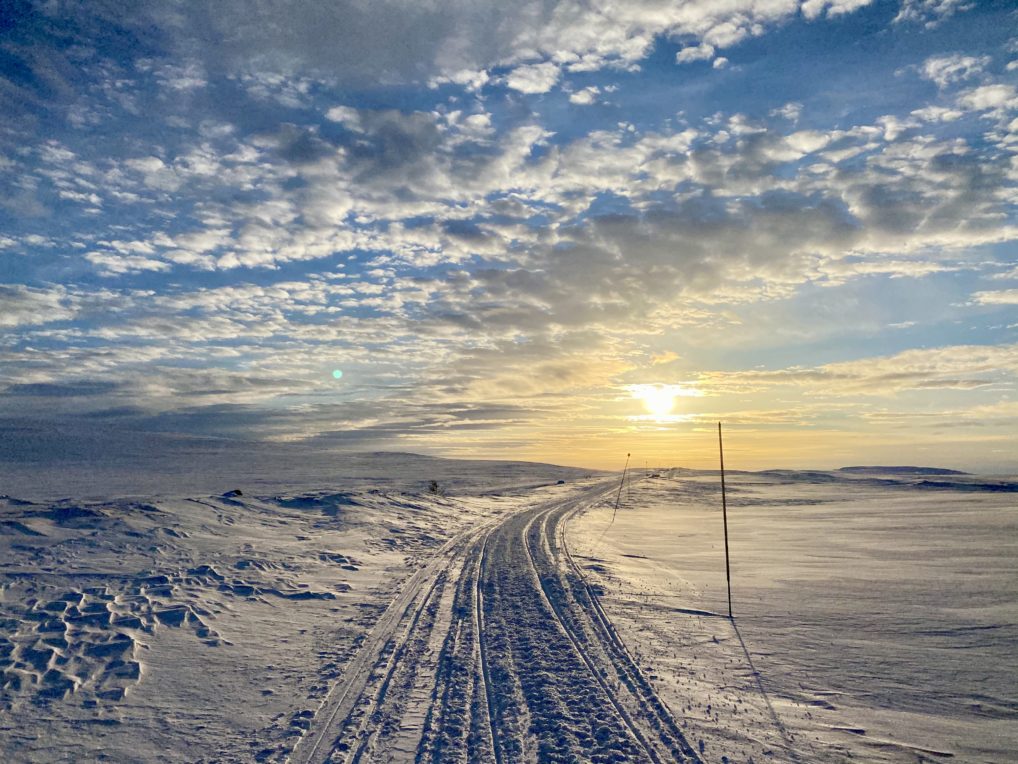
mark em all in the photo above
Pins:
pixel 724 513
pixel 621 486
pixel 618 498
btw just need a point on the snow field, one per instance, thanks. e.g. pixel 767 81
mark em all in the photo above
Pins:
pixel 876 618
pixel 508 622
pixel 190 629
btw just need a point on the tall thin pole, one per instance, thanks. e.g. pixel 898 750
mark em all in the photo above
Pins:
pixel 617 499
pixel 621 486
pixel 724 513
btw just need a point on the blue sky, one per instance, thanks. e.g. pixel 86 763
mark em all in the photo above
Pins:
pixel 508 224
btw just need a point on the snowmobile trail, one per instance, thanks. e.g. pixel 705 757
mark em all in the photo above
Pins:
pixel 497 652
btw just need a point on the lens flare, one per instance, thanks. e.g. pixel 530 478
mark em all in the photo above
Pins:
pixel 337 374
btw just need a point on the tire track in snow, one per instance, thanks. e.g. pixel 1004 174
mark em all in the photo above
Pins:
pixel 458 726
pixel 562 709
pixel 482 670
pixel 398 675
pixel 529 666
pixel 636 701
pixel 621 657
pixel 317 743
pixel 580 650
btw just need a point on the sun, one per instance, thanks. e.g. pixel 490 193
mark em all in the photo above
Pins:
pixel 659 400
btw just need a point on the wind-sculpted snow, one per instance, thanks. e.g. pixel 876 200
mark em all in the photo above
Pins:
pixel 186 628
pixel 86 642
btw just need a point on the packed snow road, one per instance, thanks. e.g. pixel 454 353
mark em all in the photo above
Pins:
pixel 497 651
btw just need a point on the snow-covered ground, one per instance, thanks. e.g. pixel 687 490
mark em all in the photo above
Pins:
pixel 877 617
pixel 370 619
pixel 210 628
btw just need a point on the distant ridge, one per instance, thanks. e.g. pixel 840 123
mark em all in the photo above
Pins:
pixel 877 470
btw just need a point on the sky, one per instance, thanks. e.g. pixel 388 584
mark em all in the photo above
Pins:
pixel 555 231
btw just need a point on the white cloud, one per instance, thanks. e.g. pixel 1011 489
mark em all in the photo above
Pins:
pixel 585 97
pixel 931 13
pixel 155 173
pixel 472 80
pixel 808 141
pixel 346 115
pixel 111 264
pixel 287 88
pixel 946 70
pixel 701 52
pixel 476 126
pixel 534 78
pixel 185 77
pixel 812 9
pixel 790 111
pixel 989 97
pixel 25 306
pixel 997 297
pixel 937 114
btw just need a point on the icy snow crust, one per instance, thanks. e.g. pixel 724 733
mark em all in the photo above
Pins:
pixel 504 620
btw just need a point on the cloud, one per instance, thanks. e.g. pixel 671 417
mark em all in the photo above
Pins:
pixel 534 78
pixel 348 116
pixel 62 390
pixel 471 80
pixel 958 367
pixel 947 70
pixel 585 97
pixel 701 52
pixel 26 306
pixel 272 45
pixel 790 111
pixel 813 9
pixel 997 297
pixel 111 264
pixel 185 76
pixel 989 97
pixel 937 114
pixel 363 186
pixel 664 358
pixel 930 13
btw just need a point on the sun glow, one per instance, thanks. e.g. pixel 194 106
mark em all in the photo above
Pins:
pixel 659 400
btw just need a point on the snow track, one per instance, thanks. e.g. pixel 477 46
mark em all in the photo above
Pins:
pixel 522 663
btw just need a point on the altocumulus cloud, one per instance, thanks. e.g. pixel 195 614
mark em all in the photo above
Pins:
pixel 495 216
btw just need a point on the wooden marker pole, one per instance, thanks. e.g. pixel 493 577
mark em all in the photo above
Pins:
pixel 724 513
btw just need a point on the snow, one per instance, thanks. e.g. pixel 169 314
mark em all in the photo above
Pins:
pixel 372 617
pixel 881 617
pixel 184 628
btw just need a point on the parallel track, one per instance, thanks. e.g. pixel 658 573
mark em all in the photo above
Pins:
pixel 530 667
